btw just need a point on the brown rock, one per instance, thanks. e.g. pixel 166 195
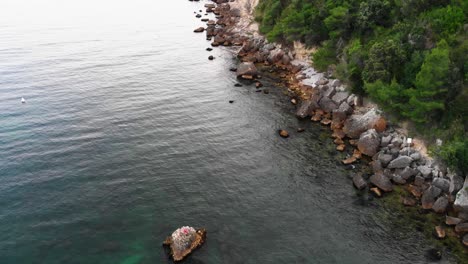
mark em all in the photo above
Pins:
pixel 380 125
pixel 462 227
pixel 338 133
pixel 353 142
pixel 338 141
pixel 317 116
pixel 376 191
pixel 450 220
pixel 440 232
pixel 283 133
pixel 258 85
pixel 325 121
pixel 341 147
pixel 349 160
pixel 415 190
pixel 357 154
pixel 381 181
pixel 369 142
pixel 465 240
pixel 199 30
pixel 407 201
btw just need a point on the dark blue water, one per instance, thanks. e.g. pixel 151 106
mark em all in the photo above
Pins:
pixel 127 134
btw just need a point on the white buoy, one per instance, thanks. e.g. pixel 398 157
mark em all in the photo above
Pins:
pixel 22 100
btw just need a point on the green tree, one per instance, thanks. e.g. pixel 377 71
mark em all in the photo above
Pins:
pixel 428 95
pixel 385 60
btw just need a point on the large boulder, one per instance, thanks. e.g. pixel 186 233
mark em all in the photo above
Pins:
pixel 184 240
pixel 381 181
pixel 442 184
pixel 369 142
pixel 247 69
pixel 400 162
pixel 356 124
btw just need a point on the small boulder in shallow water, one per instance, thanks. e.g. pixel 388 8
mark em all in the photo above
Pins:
pixel 211 58
pixel 283 133
pixel 184 240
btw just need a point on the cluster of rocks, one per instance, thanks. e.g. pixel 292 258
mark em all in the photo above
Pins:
pixel 360 130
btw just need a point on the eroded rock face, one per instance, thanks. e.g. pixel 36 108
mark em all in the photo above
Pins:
pixel 184 240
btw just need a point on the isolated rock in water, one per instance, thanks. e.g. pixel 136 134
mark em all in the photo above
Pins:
pixel 369 142
pixel 199 30
pixel 357 124
pixel 184 240
pixel 246 69
pixel 283 133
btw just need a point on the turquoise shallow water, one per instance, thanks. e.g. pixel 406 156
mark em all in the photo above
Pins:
pixel 127 134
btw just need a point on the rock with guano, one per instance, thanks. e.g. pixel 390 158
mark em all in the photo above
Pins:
pixel 184 241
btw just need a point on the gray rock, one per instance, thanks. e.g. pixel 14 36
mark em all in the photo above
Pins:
pixel 327 91
pixel 359 181
pixel 327 105
pixel 400 162
pixel 450 220
pixel 408 172
pixel 385 159
pixel 376 166
pixel 342 112
pixel 246 68
pixel 461 200
pixel 440 205
pixel 416 156
pixel 335 83
pixel 397 141
pixel 369 142
pixel 429 196
pixel 355 125
pixel 456 183
pixel 385 141
pixel 442 184
pixel 398 179
pixel 340 97
pixel 306 108
pixel 322 81
pixel 419 181
pixel 382 182
pixel 425 171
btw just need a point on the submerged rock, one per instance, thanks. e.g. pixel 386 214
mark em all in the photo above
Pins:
pixel 184 240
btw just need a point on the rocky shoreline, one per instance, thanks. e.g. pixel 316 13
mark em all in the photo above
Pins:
pixel 358 128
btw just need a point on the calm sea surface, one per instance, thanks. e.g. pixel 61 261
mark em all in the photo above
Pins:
pixel 127 134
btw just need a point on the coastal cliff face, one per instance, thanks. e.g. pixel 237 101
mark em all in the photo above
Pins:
pixel 357 126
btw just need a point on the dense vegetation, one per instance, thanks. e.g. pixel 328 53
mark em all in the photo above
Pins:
pixel 410 56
